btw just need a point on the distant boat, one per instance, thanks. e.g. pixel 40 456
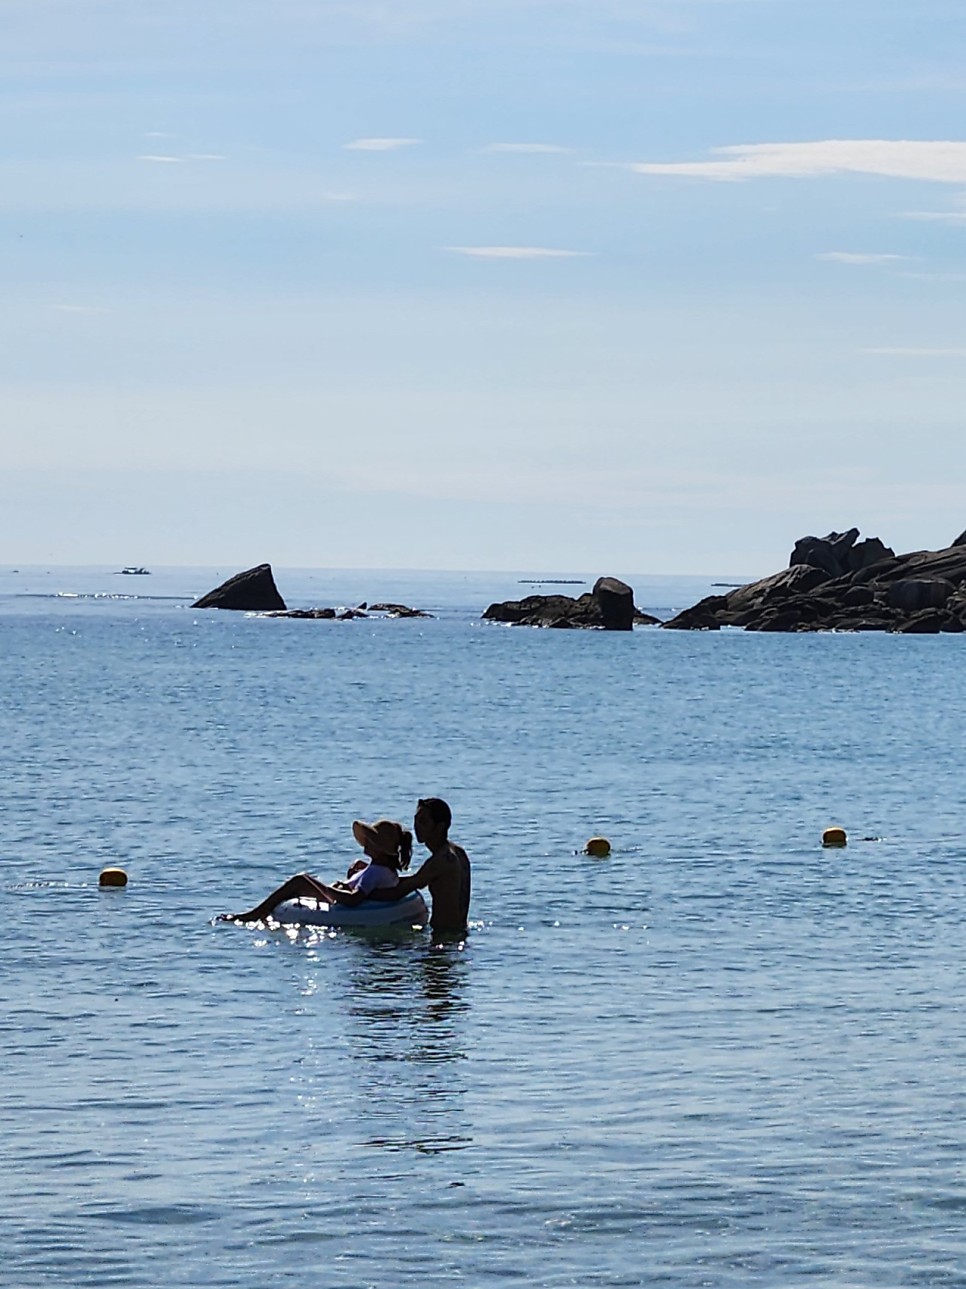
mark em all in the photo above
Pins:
pixel 136 572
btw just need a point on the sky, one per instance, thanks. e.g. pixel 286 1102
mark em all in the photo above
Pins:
pixel 584 285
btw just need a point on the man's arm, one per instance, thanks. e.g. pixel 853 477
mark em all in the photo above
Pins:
pixel 415 881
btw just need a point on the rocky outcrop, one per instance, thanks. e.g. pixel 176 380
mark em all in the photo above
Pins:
pixel 703 616
pixel 326 614
pixel 910 594
pixel 547 611
pixel 837 554
pixel 360 611
pixel 608 607
pixel 836 583
pixel 253 591
pixel 399 611
pixel 616 600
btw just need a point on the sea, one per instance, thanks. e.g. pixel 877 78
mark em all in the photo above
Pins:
pixel 722 1056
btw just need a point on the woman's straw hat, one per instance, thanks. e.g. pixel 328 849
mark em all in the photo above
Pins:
pixel 384 835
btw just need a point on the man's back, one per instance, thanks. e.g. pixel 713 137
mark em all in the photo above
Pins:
pixel 447 874
pixel 449 886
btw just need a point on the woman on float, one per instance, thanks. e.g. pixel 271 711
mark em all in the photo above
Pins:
pixel 388 847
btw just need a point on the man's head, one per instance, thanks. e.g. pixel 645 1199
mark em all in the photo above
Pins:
pixel 431 822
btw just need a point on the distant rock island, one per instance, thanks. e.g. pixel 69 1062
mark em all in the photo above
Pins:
pixel 837 583
pixel 254 591
pixel 609 607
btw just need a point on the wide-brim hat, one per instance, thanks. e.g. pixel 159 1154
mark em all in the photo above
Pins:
pixel 384 835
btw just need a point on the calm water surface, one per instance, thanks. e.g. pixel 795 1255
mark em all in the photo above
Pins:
pixel 722 1057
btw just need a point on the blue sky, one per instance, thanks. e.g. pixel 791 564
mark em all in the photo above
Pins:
pixel 532 285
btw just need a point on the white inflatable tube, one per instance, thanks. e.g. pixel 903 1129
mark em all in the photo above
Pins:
pixel 411 910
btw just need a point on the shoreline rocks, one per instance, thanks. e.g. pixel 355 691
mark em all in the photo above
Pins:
pixel 835 583
pixel 608 607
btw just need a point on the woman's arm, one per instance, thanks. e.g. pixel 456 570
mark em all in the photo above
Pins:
pixel 351 898
pixel 342 895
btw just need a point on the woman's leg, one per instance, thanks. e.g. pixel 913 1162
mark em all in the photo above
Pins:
pixel 302 884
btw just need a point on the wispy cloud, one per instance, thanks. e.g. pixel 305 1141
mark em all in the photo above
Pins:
pixel 170 159
pixel 379 145
pixel 854 257
pixel 936 161
pixel 532 149
pixel 934 277
pixel 900 351
pixel 517 252
pixel 937 216
pixel 121 184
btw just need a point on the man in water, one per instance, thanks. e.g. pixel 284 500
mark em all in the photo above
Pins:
pixel 446 872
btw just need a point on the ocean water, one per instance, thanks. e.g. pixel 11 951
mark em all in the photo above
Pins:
pixel 723 1056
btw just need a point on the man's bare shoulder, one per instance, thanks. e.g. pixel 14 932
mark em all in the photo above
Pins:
pixel 439 864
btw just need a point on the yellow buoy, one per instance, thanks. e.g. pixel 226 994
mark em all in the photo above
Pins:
pixel 599 847
pixel 113 877
pixel 834 837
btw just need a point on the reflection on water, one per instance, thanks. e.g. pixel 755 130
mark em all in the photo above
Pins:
pixel 406 1005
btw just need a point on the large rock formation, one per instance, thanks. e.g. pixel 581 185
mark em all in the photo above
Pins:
pixel 616 600
pixel 834 583
pixel 837 554
pixel 610 606
pixel 253 591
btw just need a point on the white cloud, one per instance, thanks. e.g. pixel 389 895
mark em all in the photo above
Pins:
pixel 937 161
pixel 909 352
pixel 516 252
pixel 379 145
pixel 851 257
pixel 528 148
pixel 163 160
